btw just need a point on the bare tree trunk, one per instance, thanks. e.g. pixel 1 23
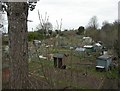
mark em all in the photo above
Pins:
pixel 18 45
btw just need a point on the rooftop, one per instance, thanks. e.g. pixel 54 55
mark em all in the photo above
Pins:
pixel 98 44
pixel 104 57
pixel 58 55
pixel 88 46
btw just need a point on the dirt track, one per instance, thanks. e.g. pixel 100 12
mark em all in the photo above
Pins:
pixel 110 84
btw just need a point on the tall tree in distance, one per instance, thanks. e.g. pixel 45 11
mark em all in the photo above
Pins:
pixel 106 26
pixel 93 23
pixel 92 27
pixel 81 30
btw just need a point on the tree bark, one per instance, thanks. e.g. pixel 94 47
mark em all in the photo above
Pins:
pixel 118 52
pixel 18 44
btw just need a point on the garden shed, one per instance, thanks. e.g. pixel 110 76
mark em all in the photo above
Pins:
pixel 58 60
pixel 89 48
pixel 80 49
pixel 103 62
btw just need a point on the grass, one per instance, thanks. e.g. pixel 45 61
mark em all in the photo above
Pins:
pixel 35 66
pixel 60 50
pixel 92 70
pixel 81 87
pixel 112 74
pixel 73 59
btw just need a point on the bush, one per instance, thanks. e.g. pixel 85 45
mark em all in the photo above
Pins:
pixel 35 35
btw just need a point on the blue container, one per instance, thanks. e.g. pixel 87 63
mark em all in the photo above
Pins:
pixel 103 62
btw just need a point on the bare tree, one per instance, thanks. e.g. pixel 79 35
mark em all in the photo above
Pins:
pixel 93 23
pixel 44 23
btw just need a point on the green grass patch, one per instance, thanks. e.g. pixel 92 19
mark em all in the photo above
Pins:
pixel 112 74
pixel 93 70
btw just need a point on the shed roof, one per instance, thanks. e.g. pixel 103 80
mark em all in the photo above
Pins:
pixel 104 57
pixel 80 49
pixel 87 37
pixel 88 46
pixel 98 44
pixel 58 55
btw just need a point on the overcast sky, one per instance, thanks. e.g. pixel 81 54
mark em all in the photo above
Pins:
pixel 74 13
